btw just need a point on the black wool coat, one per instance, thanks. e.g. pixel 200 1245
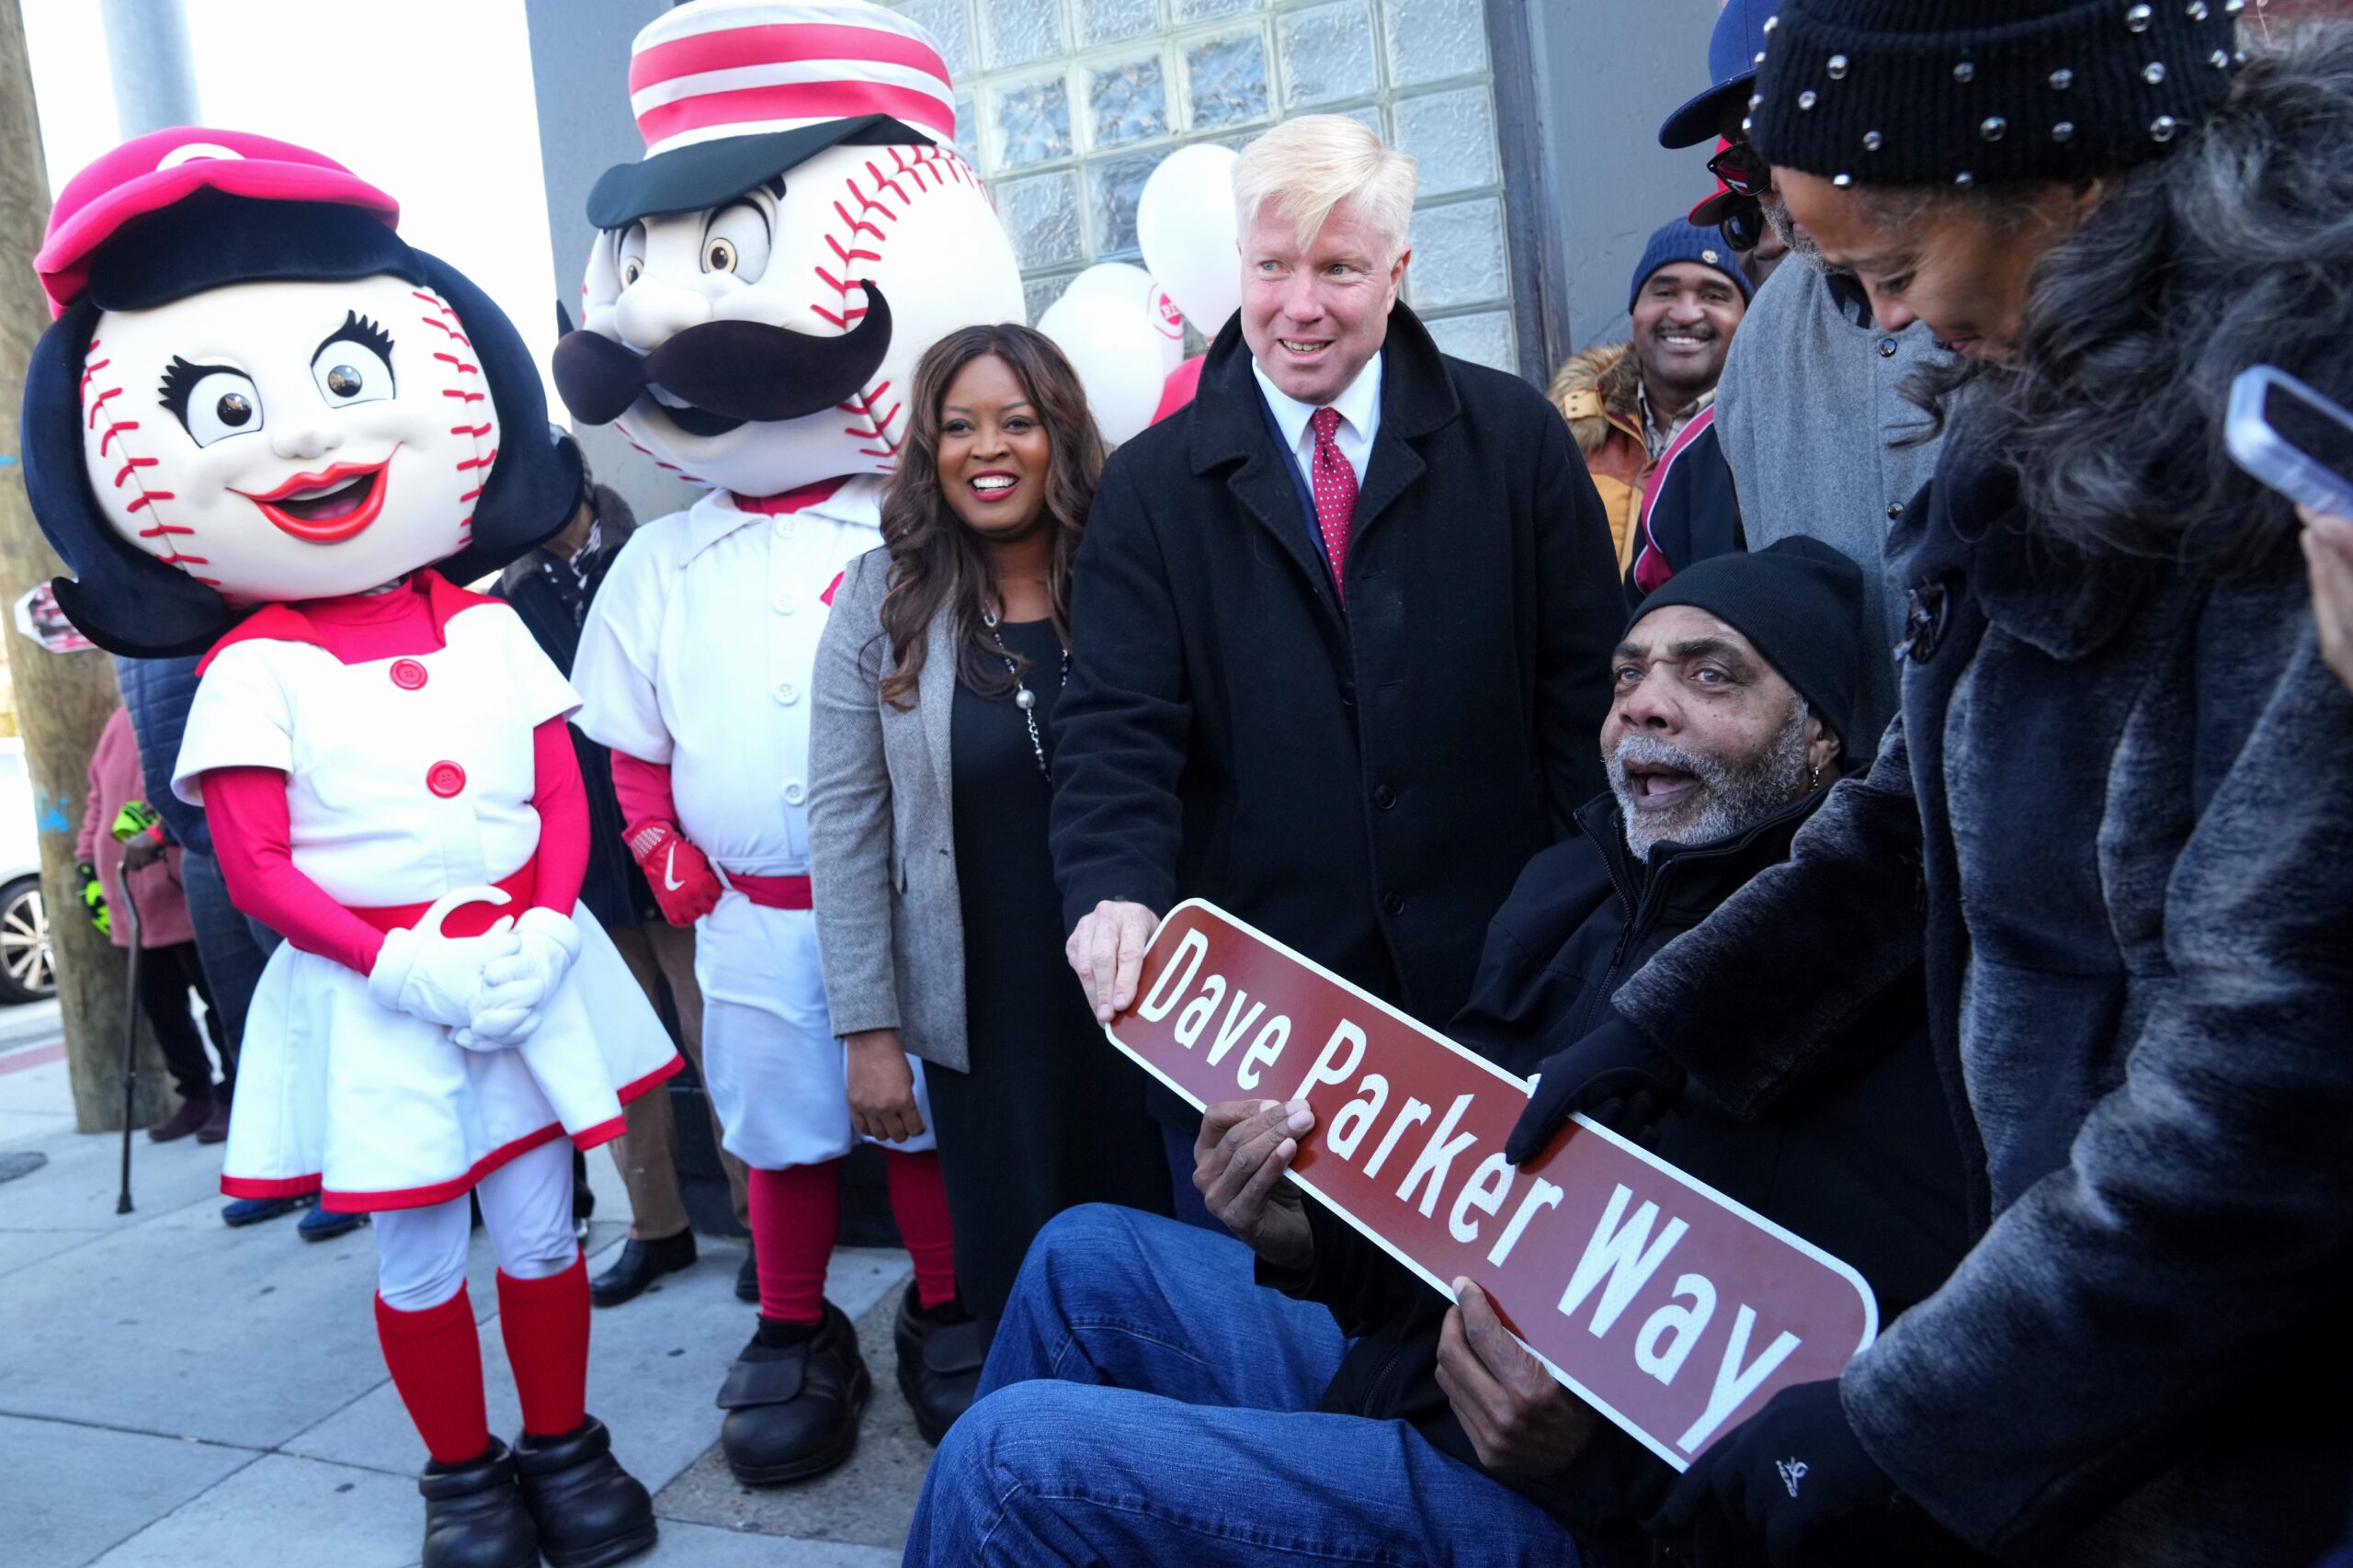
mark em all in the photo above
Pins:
pixel 1362 783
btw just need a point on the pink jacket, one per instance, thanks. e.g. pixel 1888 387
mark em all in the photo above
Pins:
pixel 115 779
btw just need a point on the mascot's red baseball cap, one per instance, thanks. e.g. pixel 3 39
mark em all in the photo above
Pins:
pixel 162 168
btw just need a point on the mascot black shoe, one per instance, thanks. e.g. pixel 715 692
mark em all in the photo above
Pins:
pixel 940 1352
pixel 474 1515
pixel 793 1408
pixel 590 1511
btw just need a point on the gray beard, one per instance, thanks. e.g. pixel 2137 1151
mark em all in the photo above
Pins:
pixel 1777 213
pixel 1729 800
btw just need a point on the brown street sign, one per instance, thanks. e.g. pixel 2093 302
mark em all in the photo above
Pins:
pixel 1671 1310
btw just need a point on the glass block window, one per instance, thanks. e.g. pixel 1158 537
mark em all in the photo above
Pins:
pixel 1068 106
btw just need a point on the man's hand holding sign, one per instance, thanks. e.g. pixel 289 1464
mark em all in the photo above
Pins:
pixel 1520 1420
pixel 1402 1135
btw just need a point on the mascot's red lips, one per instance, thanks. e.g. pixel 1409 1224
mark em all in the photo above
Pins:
pixel 328 507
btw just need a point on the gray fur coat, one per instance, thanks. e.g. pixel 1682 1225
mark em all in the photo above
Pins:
pixel 2115 819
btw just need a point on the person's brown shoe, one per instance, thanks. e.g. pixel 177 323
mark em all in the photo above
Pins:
pixel 216 1126
pixel 190 1118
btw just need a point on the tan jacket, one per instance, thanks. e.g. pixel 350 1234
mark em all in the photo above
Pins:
pixel 1598 392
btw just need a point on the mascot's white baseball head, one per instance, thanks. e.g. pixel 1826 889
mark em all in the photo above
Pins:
pixel 798 233
pixel 255 393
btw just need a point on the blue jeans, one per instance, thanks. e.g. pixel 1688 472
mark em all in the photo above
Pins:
pixel 1147 1401
pixel 223 945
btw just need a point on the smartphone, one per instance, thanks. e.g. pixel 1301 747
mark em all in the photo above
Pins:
pixel 2292 439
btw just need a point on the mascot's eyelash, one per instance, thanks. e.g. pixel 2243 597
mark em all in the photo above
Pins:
pixel 356 328
pixel 179 380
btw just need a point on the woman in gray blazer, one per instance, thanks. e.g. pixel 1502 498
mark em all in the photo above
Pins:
pixel 937 915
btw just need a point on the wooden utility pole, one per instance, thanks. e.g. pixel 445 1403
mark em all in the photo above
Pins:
pixel 62 700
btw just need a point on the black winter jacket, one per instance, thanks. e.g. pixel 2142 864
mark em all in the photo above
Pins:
pixel 1866 1167
pixel 1362 784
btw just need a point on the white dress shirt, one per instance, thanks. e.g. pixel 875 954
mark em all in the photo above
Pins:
pixel 1358 406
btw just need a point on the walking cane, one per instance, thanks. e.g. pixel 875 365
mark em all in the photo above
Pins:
pixel 129 1037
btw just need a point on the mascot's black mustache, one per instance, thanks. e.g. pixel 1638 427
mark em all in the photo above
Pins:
pixel 738 369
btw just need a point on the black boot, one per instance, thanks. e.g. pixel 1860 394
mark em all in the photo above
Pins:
pixel 590 1511
pixel 940 1352
pixel 474 1515
pixel 640 1265
pixel 793 1408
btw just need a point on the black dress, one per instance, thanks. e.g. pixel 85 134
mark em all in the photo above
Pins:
pixel 1049 1115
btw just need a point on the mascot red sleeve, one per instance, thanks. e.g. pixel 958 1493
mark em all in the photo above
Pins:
pixel 764 281
pixel 264 427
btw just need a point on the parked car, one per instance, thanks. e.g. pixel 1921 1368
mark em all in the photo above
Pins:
pixel 28 972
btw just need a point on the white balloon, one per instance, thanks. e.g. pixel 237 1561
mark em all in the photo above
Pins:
pixel 1184 223
pixel 1132 285
pixel 1117 355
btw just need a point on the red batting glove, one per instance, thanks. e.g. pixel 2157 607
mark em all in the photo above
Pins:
pixel 683 882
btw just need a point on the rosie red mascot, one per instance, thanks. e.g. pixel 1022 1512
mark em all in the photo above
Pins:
pixel 264 427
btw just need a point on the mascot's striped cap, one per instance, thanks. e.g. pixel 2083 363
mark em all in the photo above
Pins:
pixel 723 68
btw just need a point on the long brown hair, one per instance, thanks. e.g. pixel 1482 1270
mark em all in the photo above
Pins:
pixel 934 558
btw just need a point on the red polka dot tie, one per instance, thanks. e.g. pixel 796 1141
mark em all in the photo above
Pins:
pixel 1335 495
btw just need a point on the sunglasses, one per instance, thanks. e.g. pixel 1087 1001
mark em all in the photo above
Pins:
pixel 1742 226
pixel 1742 170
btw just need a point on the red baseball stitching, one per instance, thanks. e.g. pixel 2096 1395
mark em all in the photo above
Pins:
pixel 859 238
pixel 444 319
pixel 129 472
pixel 672 468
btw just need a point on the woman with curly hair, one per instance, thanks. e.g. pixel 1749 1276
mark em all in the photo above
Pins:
pixel 2110 820
pixel 934 729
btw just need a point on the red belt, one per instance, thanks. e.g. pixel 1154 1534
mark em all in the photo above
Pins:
pixel 773 892
pixel 468 919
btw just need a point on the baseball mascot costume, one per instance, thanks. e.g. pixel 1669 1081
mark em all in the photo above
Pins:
pixel 765 280
pixel 263 426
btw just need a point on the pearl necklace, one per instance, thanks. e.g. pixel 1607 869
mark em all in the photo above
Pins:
pixel 1023 698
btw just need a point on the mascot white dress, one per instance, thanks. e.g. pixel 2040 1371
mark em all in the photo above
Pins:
pixel 264 425
pixel 798 233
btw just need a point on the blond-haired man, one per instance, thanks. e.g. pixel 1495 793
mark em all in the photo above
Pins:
pixel 1341 627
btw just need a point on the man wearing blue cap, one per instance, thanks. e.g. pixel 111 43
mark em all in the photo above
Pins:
pixel 1810 409
pixel 1627 403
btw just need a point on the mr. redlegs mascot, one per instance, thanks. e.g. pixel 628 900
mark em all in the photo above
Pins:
pixel 264 425
pixel 798 233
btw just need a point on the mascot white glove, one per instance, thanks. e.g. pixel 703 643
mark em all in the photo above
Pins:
pixel 518 986
pixel 436 978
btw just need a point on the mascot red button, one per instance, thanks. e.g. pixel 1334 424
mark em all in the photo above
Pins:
pixel 407 674
pixel 445 778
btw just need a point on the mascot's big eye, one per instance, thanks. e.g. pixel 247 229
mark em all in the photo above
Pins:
pixel 354 365
pixel 630 255
pixel 212 403
pixel 737 241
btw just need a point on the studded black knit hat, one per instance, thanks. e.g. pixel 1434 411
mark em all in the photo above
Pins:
pixel 1962 92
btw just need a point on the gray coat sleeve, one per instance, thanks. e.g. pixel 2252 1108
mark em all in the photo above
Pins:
pixel 2204 1214
pixel 850 809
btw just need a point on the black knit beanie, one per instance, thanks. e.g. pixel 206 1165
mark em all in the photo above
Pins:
pixel 1800 603
pixel 1964 92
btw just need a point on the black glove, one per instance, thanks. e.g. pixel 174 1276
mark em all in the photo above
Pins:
pixel 1791 1484
pixel 1611 1075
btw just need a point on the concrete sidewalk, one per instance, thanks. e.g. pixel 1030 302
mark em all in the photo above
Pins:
pixel 174 1392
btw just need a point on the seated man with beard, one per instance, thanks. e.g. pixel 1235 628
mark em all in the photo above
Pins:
pixel 1349 1412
